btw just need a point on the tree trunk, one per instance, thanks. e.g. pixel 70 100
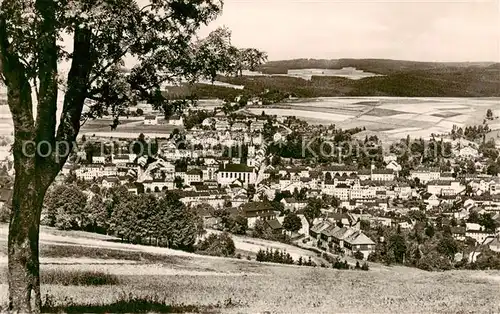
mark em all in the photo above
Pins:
pixel 23 249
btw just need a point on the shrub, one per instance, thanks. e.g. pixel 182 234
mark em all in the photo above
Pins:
pixel 217 245
pixel 358 255
pixel 4 214
pixel 434 261
pixel 364 266
pixel 77 278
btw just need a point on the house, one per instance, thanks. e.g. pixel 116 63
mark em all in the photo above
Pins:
pixel 468 152
pixel 150 120
pixel 193 175
pixel 494 245
pixel 477 232
pixel 316 229
pixel 176 120
pixel 458 233
pixel 239 126
pixel 120 160
pixel 208 122
pixel 257 210
pixel 111 181
pixel 425 174
pixel 431 200
pixel 394 166
pixel 98 159
pixel 222 125
pixel 351 240
pixel 358 241
pixel 293 204
pixel 440 187
pixel 257 126
pixel 382 175
pixel 93 171
pixel 132 188
pixel 274 224
pixel 157 185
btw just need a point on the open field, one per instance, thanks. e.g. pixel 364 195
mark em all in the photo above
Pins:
pixel 128 128
pixel 240 286
pixel 394 116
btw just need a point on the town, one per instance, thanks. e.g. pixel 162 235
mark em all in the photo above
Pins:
pixel 258 171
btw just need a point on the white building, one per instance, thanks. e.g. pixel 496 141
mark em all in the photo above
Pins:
pixel 176 120
pixel 439 187
pixel 425 174
pixel 232 172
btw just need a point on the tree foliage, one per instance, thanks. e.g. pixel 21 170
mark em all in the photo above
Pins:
pixel 292 222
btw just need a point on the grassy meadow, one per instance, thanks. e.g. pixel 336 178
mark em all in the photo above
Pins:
pixel 83 272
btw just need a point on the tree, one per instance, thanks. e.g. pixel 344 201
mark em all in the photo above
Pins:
pixel 313 209
pixel 252 58
pixel 397 246
pixel 429 230
pixel 217 245
pixel 489 114
pixel 448 247
pixel 65 207
pixel 159 34
pixel 488 222
pixel 292 222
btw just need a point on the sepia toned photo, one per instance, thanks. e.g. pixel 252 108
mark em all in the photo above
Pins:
pixel 249 156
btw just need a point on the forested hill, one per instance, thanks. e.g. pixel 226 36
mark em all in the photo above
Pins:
pixel 400 78
pixel 379 66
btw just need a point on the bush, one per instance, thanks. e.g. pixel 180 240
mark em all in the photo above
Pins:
pixel 338 264
pixel 77 278
pixel 358 255
pixel 434 261
pixel 365 266
pixel 217 245
pixel 4 214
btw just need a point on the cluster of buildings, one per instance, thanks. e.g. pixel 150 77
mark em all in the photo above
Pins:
pixel 202 171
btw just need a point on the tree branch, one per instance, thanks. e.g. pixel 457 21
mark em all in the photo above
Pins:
pixel 76 92
pixel 18 87
pixel 47 71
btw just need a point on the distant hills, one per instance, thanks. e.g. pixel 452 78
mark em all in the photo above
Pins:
pixel 379 66
pixel 400 78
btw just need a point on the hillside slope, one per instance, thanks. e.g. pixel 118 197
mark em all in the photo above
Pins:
pixel 232 285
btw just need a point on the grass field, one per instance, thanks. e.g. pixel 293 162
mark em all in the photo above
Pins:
pixel 128 128
pixel 93 271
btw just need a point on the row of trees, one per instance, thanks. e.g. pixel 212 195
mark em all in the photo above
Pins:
pixel 141 219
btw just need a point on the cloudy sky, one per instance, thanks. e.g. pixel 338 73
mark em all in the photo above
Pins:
pixel 425 30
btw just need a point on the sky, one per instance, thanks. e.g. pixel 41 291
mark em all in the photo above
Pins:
pixel 426 30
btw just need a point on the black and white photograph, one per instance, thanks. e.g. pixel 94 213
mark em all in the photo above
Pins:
pixel 250 156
